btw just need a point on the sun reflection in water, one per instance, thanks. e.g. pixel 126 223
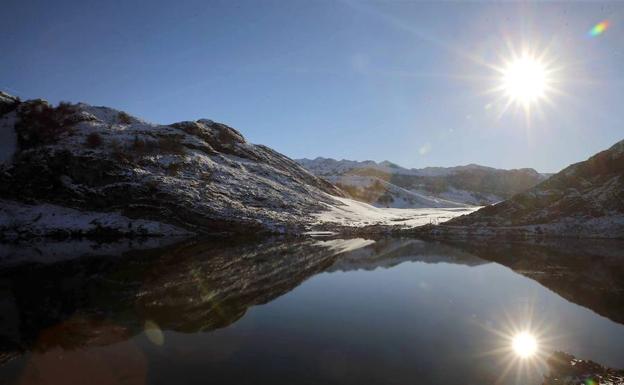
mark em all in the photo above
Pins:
pixel 524 344
pixel 523 337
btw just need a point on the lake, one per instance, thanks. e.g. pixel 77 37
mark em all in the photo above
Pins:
pixel 305 311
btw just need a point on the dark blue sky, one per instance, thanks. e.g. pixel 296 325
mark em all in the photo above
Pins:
pixel 403 81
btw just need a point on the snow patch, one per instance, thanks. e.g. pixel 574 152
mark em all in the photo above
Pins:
pixel 345 245
pixel 49 252
pixel 17 219
pixel 357 214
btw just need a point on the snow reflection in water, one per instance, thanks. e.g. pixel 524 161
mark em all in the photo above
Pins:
pixel 310 311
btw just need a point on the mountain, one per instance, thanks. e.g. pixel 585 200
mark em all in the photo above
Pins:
pixel 76 169
pixel 585 199
pixel 386 184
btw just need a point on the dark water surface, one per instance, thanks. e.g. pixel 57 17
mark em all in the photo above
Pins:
pixel 390 311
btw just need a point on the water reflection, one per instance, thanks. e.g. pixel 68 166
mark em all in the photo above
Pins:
pixel 524 344
pixel 367 316
pixel 587 272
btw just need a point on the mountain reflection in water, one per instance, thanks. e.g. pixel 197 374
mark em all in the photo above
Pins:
pixel 367 316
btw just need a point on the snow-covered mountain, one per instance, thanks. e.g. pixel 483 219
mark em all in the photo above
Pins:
pixel 386 184
pixel 75 169
pixel 585 199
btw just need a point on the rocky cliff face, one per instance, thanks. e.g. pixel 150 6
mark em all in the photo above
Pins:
pixel 388 185
pixel 585 199
pixel 195 177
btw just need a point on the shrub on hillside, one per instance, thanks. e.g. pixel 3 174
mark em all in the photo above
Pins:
pixel 40 124
pixel 124 118
pixel 119 152
pixel 174 168
pixel 170 145
pixel 94 140
pixel 143 146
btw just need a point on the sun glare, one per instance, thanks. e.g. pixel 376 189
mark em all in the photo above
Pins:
pixel 525 80
pixel 524 345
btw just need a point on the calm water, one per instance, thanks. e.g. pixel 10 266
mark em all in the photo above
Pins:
pixel 391 311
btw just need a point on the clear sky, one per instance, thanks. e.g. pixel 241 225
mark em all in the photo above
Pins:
pixel 404 81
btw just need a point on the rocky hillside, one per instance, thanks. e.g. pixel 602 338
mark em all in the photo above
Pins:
pixel 585 199
pixel 76 169
pixel 386 184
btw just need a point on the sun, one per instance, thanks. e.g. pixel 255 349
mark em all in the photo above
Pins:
pixel 525 80
pixel 524 345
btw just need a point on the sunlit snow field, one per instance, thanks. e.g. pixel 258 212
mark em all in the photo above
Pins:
pixel 354 213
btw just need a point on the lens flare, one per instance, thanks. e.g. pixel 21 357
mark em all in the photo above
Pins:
pixel 154 333
pixel 599 28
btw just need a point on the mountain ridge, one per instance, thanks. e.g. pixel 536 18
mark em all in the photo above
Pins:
pixel 386 184
pixel 416 170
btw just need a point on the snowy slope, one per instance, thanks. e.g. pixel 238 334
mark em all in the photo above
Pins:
pixel 197 176
pixel 357 214
pixel 62 222
pixel 386 184
pixel 378 192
